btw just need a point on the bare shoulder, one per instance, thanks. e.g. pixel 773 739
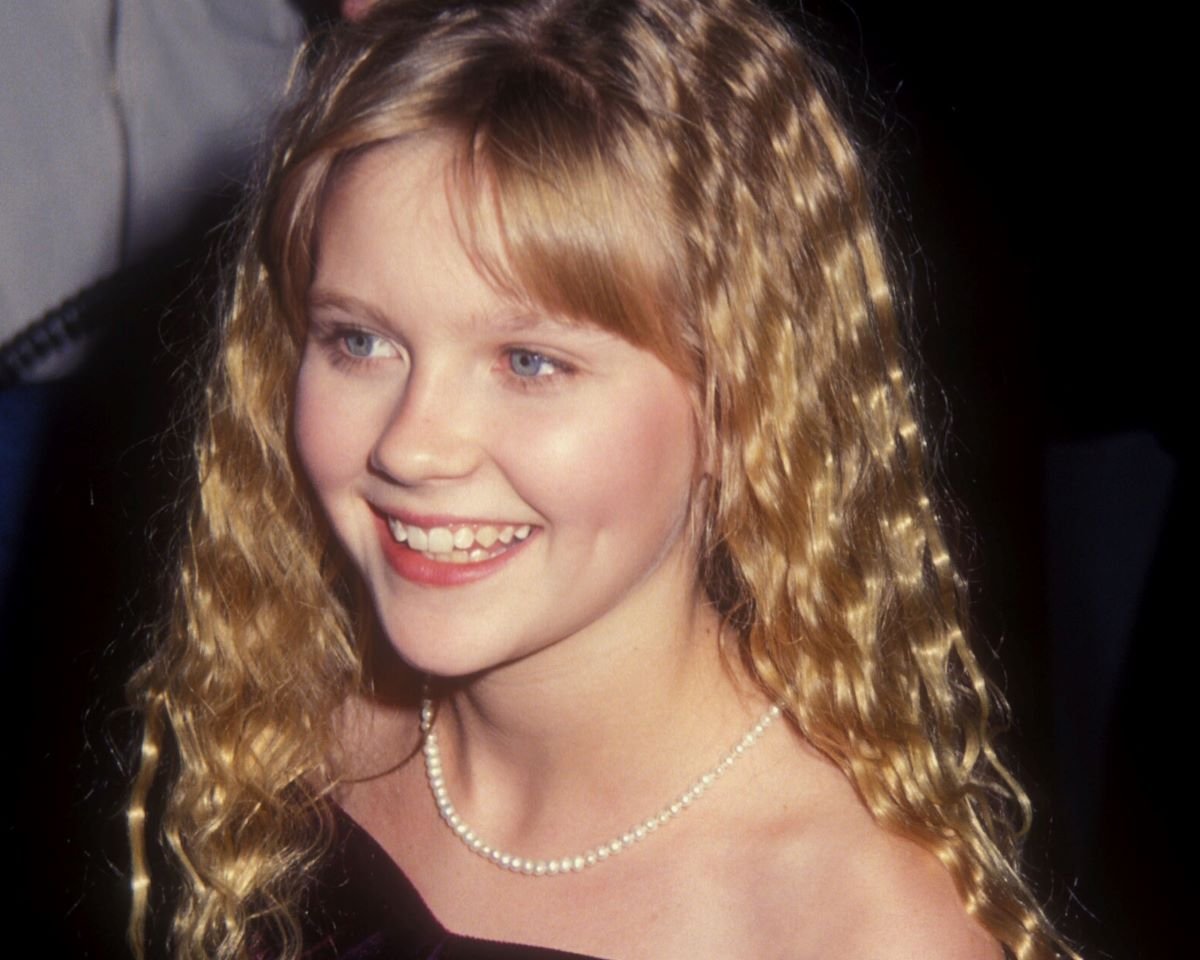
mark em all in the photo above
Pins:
pixel 900 903
pixel 833 884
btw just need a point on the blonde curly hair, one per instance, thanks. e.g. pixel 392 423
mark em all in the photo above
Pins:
pixel 674 171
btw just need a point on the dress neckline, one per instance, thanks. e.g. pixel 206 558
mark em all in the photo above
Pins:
pixel 363 906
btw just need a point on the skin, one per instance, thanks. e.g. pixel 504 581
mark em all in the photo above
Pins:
pixel 427 397
pixel 584 678
pixel 355 10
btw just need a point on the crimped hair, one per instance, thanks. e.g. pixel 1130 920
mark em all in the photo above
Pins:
pixel 674 171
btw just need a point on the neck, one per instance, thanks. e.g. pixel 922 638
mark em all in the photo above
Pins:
pixel 595 731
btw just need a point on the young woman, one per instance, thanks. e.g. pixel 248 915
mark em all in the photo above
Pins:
pixel 563 530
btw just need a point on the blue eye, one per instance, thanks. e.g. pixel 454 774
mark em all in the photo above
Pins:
pixel 528 364
pixel 359 344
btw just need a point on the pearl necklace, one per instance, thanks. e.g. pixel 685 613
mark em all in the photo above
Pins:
pixel 598 854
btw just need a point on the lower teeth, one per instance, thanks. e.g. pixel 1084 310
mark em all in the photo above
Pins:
pixel 475 555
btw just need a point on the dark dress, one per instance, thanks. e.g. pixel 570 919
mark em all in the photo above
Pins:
pixel 363 907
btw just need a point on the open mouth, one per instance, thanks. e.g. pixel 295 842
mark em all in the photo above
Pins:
pixel 458 543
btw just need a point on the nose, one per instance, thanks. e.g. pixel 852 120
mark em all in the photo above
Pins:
pixel 430 434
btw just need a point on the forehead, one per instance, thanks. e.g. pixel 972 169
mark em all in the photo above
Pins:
pixel 386 225
pixel 392 242
pixel 406 180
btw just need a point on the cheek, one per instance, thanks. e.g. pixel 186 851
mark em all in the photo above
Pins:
pixel 658 466
pixel 328 437
pixel 627 466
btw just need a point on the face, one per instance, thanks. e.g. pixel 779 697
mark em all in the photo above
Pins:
pixel 506 483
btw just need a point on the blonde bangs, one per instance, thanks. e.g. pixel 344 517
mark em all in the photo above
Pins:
pixel 555 177
pixel 568 224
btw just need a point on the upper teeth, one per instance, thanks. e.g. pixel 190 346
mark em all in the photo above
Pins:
pixel 445 540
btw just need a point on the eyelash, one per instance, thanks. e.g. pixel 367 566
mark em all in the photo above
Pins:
pixel 336 346
pixel 336 342
pixel 538 381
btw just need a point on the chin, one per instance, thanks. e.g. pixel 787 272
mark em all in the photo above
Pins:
pixel 450 654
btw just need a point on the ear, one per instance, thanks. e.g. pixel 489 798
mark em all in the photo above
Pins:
pixel 704 475
pixel 707 459
pixel 707 455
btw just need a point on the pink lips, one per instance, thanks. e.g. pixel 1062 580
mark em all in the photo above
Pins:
pixel 420 569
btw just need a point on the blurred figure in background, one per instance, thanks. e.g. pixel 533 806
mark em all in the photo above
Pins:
pixel 129 129
pixel 129 126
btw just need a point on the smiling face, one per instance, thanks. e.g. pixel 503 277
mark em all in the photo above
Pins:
pixel 503 480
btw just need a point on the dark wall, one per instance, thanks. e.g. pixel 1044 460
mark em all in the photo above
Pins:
pixel 1033 172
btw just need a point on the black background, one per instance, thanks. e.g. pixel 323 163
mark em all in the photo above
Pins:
pixel 1035 150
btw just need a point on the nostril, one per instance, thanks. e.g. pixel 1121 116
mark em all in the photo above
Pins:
pixel 426 438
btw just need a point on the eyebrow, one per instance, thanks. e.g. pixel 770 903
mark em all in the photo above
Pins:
pixel 331 300
pixel 518 320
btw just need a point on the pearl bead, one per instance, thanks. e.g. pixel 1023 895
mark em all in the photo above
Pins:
pixel 506 861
